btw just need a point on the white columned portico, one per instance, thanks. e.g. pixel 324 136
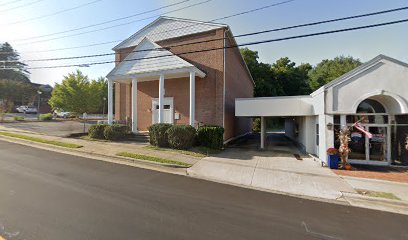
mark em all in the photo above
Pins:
pixel 192 98
pixel 134 105
pixel 110 101
pixel 262 132
pixel 161 97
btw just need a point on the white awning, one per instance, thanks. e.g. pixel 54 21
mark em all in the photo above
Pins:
pixel 274 106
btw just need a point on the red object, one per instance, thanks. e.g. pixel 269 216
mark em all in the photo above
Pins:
pixel 361 129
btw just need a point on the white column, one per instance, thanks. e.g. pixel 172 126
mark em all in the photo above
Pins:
pixel 262 132
pixel 110 101
pixel 161 97
pixel 134 105
pixel 343 121
pixel 192 98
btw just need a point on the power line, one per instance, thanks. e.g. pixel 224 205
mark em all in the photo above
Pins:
pixel 52 14
pixel 105 22
pixel 237 45
pixel 21 6
pixel 237 36
pixel 90 45
pixel 8 3
pixel 122 24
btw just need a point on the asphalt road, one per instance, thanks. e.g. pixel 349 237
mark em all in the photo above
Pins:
pixel 53 128
pixel 46 195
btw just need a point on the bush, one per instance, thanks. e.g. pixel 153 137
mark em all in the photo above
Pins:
pixel 116 132
pixel 158 134
pixel 97 131
pixel 45 117
pixel 211 136
pixel 18 118
pixel 256 125
pixel 181 136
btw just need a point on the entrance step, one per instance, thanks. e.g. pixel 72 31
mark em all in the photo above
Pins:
pixel 140 137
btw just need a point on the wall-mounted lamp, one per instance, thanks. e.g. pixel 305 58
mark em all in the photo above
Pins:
pixel 329 126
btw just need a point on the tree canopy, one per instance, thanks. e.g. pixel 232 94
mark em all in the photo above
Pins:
pixel 77 93
pixel 285 78
pixel 328 70
pixel 11 68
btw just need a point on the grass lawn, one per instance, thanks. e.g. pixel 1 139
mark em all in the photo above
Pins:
pixel 195 152
pixel 40 140
pixel 377 194
pixel 152 159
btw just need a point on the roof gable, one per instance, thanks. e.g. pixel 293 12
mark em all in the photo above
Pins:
pixel 148 57
pixel 375 62
pixel 166 28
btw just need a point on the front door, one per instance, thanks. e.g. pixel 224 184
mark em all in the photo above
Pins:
pixel 366 150
pixel 168 110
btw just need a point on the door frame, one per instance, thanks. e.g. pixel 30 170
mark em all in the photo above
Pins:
pixel 166 101
pixel 367 161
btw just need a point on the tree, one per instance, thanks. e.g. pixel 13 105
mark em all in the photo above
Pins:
pixel 78 94
pixel 292 79
pixel 265 84
pixel 11 68
pixel 12 91
pixel 328 70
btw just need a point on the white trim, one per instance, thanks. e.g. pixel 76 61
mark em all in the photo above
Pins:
pixel 192 99
pixel 110 101
pixel 161 96
pixel 134 105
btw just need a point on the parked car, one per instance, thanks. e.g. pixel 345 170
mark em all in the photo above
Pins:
pixel 31 110
pixel 62 114
pixel 21 109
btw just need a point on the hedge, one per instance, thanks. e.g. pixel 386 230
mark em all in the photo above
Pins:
pixel 116 132
pixel 158 134
pixel 211 136
pixel 45 117
pixel 97 131
pixel 181 136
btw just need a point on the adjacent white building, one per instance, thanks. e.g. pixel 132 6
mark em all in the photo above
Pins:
pixel 376 94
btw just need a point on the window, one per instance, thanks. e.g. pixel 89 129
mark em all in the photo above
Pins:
pixel 317 134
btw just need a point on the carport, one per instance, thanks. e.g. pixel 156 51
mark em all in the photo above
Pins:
pixel 287 106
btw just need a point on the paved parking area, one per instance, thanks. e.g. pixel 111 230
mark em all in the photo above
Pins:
pixel 276 170
pixel 52 128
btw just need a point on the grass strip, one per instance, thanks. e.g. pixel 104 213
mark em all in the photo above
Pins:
pixel 377 194
pixel 152 159
pixel 40 140
pixel 185 152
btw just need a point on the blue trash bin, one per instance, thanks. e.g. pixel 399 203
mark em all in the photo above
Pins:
pixel 333 161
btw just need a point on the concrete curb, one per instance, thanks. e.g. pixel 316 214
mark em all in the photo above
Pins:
pixel 381 204
pixel 162 167
pixel 373 180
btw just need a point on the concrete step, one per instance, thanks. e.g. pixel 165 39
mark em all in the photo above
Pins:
pixel 140 137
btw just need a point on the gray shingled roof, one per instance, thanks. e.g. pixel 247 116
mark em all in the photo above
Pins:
pixel 166 28
pixel 149 57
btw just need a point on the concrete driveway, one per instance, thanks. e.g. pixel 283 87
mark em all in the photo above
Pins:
pixel 275 169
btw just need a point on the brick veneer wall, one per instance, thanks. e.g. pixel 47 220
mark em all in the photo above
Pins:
pixel 209 90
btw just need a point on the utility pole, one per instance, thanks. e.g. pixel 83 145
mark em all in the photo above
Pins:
pixel 39 100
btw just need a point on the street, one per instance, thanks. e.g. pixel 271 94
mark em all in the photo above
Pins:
pixel 47 195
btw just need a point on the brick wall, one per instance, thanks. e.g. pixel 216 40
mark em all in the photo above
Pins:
pixel 209 90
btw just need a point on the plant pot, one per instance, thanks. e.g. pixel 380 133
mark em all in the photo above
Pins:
pixel 333 161
pixel 347 167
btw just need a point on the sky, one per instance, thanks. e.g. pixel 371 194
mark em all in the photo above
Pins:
pixel 23 22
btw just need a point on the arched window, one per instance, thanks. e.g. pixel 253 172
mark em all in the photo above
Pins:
pixel 370 106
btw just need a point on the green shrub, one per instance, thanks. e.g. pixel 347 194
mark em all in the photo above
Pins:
pixel 116 132
pixel 18 118
pixel 45 117
pixel 211 136
pixel 97 131
pixel 181 136
pixel 256 125
pixel 158 134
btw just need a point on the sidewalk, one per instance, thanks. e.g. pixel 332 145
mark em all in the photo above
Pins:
pixel 101 148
